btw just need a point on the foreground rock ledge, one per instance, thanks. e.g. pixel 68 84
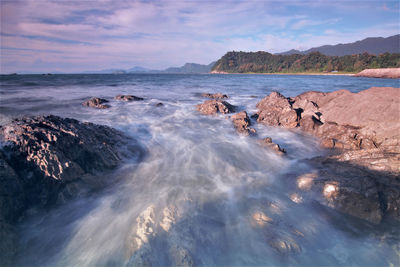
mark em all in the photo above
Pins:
pixel 47 160
pixel 363 177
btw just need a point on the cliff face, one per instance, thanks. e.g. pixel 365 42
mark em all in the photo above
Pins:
pixel 263 62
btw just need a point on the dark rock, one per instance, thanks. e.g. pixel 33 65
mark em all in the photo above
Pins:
pixel 128 98
pixel 159 104
pixel 44 156
pixel 267 142
pixel 353 189
pixel 96 102
pixel 214 96
pixel 47 159
pixel 242 123
pixel 211 107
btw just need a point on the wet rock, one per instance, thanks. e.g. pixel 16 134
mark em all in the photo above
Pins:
pixel 49 155
pixel 211 107
pixel 242 123
pixel 214 96
pixel 159 104
pixel 267 142
pixel 96 102
pixel 128 98
pixel 361 180
pixel 44 157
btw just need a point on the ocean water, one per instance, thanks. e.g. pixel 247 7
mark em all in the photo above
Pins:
pixel 203 194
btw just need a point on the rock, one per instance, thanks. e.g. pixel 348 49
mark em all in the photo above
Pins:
pixel 393 73
pixel 42 158
pixel 242 123
pixel 96 102
pixel 361 180
pixel 214 96
pixel 267 142
pixel 159 104
pixel 276 110
pixel 49 155
pixel 356 190
pixel 128 98
pixel 211 107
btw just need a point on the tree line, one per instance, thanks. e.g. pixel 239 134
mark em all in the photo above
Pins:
pixel 264 62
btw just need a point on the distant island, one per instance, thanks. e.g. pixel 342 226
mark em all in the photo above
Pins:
pixel 315 62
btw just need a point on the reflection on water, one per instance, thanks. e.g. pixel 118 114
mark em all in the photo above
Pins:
pixel 202 196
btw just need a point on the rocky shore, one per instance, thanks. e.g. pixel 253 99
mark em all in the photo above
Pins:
pixel 393 73
pixel 361 174
pixel 46 160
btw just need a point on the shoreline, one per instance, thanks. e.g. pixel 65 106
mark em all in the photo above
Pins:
pixel 291 73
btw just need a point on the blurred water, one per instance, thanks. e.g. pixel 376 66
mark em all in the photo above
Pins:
pixel 203 194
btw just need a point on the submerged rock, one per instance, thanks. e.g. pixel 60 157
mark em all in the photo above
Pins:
pixel 267 142
pixel 241 122
pixel 128 98
pixel 96 102
pixel 211 107
pixel 214 96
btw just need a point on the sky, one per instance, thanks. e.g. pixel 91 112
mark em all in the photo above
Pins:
pixel 75 36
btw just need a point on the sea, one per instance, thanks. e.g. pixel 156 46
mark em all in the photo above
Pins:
pixel 202 195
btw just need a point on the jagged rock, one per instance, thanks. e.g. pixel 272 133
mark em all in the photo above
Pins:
pixel 242 123
pixel 49 154
pixel 128 98
pixel 43 158
pixel 276 110
pixel 211 107
pixel 267 142
pixel 214 96
pixel 96 102
pixel 363 179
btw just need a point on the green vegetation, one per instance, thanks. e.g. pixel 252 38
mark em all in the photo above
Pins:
pixel 264 62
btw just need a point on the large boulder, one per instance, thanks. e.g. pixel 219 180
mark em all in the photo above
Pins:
pixel 212 107
pixel 276 110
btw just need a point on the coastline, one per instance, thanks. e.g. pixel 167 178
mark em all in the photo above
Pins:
pixel 291 73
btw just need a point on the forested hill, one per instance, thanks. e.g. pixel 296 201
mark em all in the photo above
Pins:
pixel 264 62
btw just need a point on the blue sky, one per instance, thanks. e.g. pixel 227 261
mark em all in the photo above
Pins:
pixel 74 36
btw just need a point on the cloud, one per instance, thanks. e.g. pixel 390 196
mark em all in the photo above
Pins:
pixel 80 35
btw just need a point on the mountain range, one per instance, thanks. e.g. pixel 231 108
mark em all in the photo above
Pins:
pixel 372 45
